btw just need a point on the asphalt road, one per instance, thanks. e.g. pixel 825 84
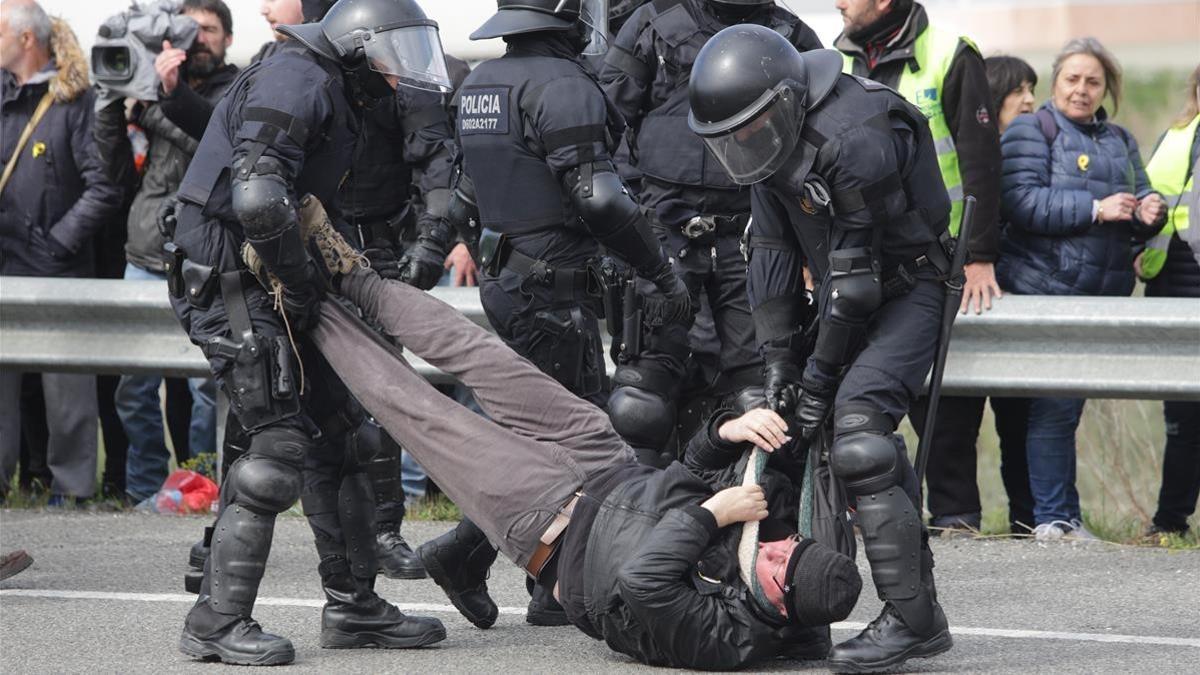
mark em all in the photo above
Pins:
pixel 105 595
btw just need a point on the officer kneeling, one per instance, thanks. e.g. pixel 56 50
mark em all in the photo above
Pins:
pixel 846 181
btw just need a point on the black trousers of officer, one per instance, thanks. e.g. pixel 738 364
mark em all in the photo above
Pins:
pixel 875 393
pixel 306 455
pixel 1181 466
pixel 953 461
pixel 560 335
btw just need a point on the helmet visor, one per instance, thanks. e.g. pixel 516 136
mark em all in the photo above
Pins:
pixel 753 151
pixel 411 53
pixel 594 16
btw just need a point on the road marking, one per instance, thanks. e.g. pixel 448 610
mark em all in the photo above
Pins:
pixel 520 611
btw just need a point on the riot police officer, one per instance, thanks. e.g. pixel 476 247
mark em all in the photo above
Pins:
pixel 536 134
pixel 285 129
pixel 845 179
pixel 701 214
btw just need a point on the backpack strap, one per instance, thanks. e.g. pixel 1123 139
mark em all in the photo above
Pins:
pixel 1047 124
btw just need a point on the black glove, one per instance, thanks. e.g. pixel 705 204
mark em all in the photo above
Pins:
pixel 815 399
pixel 676 304
pixel 302 299
pixel 383 259
pixel 781 383
pixel 164 218
pixel 425 261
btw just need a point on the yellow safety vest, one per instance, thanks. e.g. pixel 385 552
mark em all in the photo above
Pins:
pixel 1167 169
pixel 933 50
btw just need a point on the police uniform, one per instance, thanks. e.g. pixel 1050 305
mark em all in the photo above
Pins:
pixel 524 121
pixel 700 212
pixel 287 123
pixel 846 182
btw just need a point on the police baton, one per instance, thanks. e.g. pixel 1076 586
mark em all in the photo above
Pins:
pixel 954 292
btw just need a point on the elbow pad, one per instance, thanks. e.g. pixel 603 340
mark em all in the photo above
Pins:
pixel 261 201
pixel 613 218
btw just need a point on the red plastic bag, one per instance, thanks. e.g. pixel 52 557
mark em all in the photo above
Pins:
pixel 186 492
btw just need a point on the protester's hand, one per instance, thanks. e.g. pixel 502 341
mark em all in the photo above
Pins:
pixel 762 427
pixel 1137 264
pixel 980 287
pixel 166 64
pixel 463 264
pixel 1116 208
pixel 738 504
pixel 1151 208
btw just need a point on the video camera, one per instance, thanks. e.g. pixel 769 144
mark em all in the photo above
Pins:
pixel 127 44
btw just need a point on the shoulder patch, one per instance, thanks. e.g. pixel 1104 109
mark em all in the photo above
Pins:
pixel 483 110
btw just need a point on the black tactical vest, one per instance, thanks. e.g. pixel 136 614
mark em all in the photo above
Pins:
pixel 664 147
pixel 856 102
pixel 516 189
pixel 329 148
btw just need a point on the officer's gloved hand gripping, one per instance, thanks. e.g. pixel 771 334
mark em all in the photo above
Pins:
pixel 266 208
pixel 615 220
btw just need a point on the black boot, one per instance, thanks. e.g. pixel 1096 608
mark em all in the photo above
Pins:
pixel 231 639
pixel 459 561
pixel 912 623
pixel 397 560
pixel 354 616
pixel 197 556
pixel 543 610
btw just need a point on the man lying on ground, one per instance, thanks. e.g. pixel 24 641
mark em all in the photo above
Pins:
pixel 642 558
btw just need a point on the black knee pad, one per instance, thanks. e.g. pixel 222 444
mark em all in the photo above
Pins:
pixel 643 418
pixel 867 461
pixel 268 478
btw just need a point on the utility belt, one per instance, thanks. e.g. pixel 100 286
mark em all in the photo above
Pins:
pixel 550 539
pixel 902 278
pixel 703 226
pixel 573 283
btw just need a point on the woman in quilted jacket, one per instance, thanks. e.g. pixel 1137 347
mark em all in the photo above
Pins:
pixel 1075 200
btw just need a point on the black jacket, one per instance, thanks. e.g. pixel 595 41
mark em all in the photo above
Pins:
pixel 58 197
pixel 173 127
pixel 659 580
pixel 967 102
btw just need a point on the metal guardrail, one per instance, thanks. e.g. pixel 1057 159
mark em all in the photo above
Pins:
pixel 1147 348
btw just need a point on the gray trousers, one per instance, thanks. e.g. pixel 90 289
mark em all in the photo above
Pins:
pixel 509 474
pixel 71 415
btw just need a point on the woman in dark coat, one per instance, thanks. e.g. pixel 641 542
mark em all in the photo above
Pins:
pixel 1076 198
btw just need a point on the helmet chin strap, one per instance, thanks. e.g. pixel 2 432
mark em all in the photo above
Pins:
pixel 579 36
pixel 367 87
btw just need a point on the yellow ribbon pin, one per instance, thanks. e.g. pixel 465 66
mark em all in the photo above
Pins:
pixel 1083 162
pixel 39 149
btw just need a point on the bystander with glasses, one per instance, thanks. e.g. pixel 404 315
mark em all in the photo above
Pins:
pixel 1076 196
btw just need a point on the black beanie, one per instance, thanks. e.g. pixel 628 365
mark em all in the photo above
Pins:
pixel 823 584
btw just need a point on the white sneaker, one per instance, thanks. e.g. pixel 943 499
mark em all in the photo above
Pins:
pixel 1052 531
pixel 1080 533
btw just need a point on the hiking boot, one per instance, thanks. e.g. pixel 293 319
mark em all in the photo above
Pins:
pixel 337 255
pixel 354 616
pixel 236 639
pixel 14 563
pixel 397 560
pixel 887 643
pixel 459 562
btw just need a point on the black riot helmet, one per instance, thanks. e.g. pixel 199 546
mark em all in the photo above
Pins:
pixel 392 38
pixel 749 92
pixel 514 17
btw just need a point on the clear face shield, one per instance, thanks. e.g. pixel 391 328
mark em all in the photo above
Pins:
pixel 593 14
pixel 412 54
pixel 753 151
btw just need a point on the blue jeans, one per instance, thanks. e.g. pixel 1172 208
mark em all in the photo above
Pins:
pixel 138 405
pixel 1050 448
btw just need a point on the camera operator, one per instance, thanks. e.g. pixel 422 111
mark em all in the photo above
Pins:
pixel 190 83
